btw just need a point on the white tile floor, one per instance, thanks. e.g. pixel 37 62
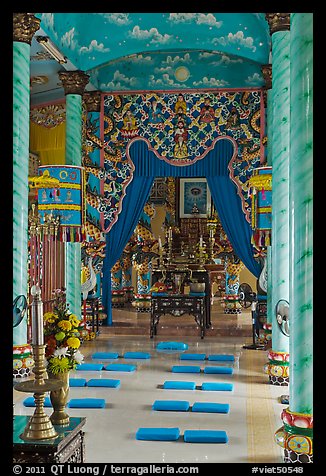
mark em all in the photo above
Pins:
pixel 110 432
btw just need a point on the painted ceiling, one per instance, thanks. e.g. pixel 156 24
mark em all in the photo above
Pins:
pixel 156 51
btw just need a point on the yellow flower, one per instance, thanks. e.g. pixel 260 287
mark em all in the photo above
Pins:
pixel 50 317
pixel 65 325
pixel 73 342
pixel 58 365
pixel 74 320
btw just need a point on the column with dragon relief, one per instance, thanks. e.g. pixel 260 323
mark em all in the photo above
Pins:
pixel 279 23
pixel 94 176
pixel 74 83
pixel 146 248
pixel 24 27
pixel 296 434
pixel 126 264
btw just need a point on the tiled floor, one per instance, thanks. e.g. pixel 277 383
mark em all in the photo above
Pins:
pixel 110 432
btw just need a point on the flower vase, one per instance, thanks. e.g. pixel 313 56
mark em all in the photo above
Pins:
pixel 59 399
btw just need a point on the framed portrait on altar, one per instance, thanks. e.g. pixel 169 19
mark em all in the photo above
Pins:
pixel 194 198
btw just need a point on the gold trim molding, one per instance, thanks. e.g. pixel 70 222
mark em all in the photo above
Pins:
pixel 261 182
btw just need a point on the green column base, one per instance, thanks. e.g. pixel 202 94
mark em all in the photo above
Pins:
pixel 296 437
pixel 277 367
pixel 23 361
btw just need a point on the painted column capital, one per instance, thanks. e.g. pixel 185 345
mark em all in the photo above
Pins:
pixel 92 101
pixel 24 27
pixel 74 82
pixel 278 21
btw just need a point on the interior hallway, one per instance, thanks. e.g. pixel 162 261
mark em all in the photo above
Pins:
pixel 110 432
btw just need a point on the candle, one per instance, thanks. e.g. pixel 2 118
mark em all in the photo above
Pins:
pixel 211 232
pixel 170 233
pixel 159 242
pixel 37 316
pixel 201 241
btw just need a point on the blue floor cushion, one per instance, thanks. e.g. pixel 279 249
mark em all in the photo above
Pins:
pixel 87 366
pixel 218 370
pixel 120 367
pixel 192 369
pixel 77 382
pixel 210 407
pixel 86 403
pixel 103 382
pixel 158 434
pixel 171 405
pixel 205 436
pixel 221 386
pixel 172 345
pixel 29 402
pixel 137 355
pixel 105 355
pixel 221 357
pixel 192 356
pixel 179 385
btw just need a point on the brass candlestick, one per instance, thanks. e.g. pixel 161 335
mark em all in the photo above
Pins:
pixel 169 253
pixel 211 248
pixel 39 426
pixel 201 249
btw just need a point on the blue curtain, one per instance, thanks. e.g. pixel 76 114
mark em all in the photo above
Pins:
pixel 238 230
pixel 137 193
pixel 214 167
pixel 224 194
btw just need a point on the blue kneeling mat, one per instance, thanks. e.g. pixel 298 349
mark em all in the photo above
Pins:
pixel 172 345
pixel 105 355
pixel 192 369
pixel 137 355
pixel 86 403
pixel 77 382
pixel 217 386
pixel 87 366
pixel 208 407
pixel 205 436
pixel 158 434
pixel 29 402
pixel 120 367
pixel 221 357
pixel 218 370
pixel 171 405
pixel 179 385
pixel 103 382
pixel 192 356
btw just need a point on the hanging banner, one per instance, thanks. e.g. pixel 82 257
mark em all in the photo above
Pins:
pixel 65 200
pixel 261 206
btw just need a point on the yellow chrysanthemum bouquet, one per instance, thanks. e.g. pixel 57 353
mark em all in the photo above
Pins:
pixel 62 336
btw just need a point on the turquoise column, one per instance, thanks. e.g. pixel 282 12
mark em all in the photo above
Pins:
pixel 301 225
pixel 279 355
pixel 269 162
pixel 296 437
pixel 25 25
pixel 74 83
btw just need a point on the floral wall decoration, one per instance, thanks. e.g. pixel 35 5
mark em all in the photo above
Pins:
pixel 179 128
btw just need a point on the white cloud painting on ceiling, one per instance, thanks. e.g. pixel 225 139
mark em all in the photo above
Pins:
pixel 126 51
